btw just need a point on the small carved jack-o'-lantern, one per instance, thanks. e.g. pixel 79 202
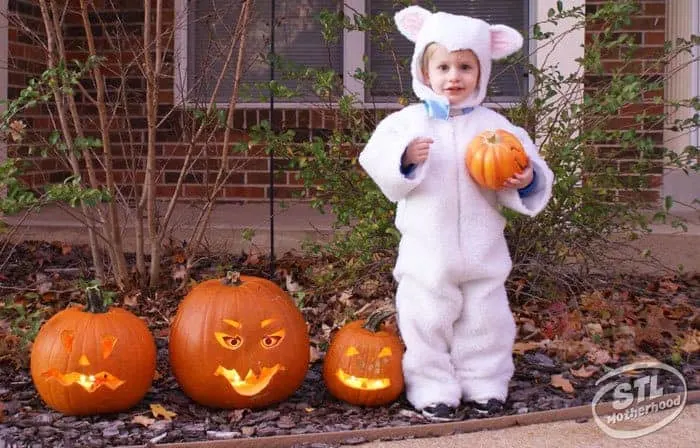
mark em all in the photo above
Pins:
pixel 238 342
pixel 93 360
pixel 492 157
pixel 363 363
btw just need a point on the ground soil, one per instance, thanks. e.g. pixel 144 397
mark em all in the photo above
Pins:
pixel 26 421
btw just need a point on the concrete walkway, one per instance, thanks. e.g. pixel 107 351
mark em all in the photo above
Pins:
pixel 298 222
pixel 683 432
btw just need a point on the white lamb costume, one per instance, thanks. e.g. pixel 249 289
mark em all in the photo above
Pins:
pixel 453 259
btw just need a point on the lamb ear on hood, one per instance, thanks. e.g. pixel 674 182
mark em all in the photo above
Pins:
pixel 504 41
pixel 410 20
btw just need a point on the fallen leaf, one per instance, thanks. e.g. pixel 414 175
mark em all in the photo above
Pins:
pixel 678 312
pixel 345 297
pixel 158 410
pixel 290 283
pixel 656 318
pixel 557 308
pixel 643 357
pixel 584 371
pixel 132 300
pixel 253 258
pixel 570 350
pixel 44 283
pixel 143 420
pixel 48 297
pixel 595 328
pixel 521 347
pixel 668 286
pixel 691 343
pixel 368 288
pixel 562 383
pixel 624 345
pixel 599 356
pixel 2 411
pixel 314 354
pixel 66 248
pixel 236 415
pixel 593 302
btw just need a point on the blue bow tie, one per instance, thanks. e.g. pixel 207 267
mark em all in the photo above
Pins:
pixel 442 111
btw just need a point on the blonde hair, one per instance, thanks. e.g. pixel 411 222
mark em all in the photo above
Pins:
pixel 425 59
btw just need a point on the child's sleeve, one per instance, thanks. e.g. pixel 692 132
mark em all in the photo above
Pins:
pixel 532 199
pixel 381 158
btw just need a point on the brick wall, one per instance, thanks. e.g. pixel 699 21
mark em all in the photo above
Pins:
pixel 249 178
pixel 648 31
pixel 27 60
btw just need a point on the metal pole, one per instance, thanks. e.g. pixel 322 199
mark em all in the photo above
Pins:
pixel 272 155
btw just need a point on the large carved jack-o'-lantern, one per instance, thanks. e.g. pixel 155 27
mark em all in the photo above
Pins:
pixel 363 363
pixel 93 360
pixel 238 342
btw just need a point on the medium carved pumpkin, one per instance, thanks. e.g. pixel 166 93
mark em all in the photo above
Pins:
pixel 93 360
pixel 492 157
pixel 363 363
pixel 238 342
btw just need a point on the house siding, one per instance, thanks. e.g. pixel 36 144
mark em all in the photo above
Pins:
pixel 249 181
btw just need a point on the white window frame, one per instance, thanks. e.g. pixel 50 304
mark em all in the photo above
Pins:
pixel 353 51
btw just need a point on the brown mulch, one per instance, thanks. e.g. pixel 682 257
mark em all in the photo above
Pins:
pixel 568 337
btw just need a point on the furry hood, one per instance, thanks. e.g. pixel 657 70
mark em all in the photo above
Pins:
pixel 455 32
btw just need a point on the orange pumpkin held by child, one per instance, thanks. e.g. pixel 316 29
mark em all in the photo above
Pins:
pixel 492 157
pixel 238 342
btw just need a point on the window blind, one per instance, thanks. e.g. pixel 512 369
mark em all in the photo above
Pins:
pixel 507 83
pixel 298 41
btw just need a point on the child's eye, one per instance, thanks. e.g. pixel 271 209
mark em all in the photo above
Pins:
pixel 466 67
pixel 442 67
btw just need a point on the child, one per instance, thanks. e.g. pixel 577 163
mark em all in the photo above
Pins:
pixel 453 259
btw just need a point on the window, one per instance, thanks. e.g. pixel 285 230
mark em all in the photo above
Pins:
pixel 507 83
pixel 210 27
pixel 298 39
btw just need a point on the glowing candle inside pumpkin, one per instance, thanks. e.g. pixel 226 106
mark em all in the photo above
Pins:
pixel 363 383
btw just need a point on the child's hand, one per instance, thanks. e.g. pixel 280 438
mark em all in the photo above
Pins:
pixel 521 180
pixel 417 151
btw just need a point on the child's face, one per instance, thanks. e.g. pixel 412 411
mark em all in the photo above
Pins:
pixel 453 74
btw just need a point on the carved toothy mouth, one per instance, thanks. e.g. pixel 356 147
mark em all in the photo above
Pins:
pixel 252 384
pixel 88 382
pixel 360 383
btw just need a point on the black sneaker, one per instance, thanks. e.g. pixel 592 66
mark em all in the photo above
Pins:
pixel 493 406
pixel 440 412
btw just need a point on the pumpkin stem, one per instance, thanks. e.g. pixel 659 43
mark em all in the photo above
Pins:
pixel 492 138
pixel 375 320
pixel 233 278
pixel 95 302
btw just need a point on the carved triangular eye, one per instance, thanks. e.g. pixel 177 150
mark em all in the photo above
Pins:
pixel 386 351
pixel 67 339
pixel 108 343
pixel 351 351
